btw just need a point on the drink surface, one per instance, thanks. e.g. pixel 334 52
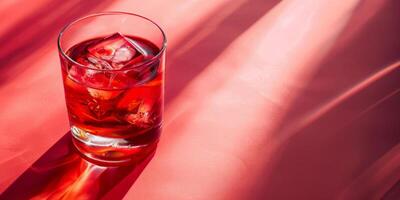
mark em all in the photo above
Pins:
pixel 114 92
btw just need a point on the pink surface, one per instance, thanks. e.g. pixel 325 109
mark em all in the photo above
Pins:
pixel 264 100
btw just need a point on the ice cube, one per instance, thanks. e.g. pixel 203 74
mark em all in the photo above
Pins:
pixel 118 50
pixel 76 73
pixel 98 63
pixel 100 109
pixel 104 94
pixel 133 106
pixel 97 77
pixel 134 111
pixel 123 54
pixel 144 74
pixel 142 50
pixel 94 75
pixel 142 118
pixel 105 49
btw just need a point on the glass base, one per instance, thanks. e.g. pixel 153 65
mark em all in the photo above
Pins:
pixel 115 151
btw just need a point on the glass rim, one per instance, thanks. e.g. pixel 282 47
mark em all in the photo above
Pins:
pixel 153 59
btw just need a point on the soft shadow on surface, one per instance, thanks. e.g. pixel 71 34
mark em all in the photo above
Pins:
pixel 334 150
pixel 375 46
pixel 201 46
pixel 61 173
pixel 378 179
pixel 318 159
pixel 393 193
pixel 33 32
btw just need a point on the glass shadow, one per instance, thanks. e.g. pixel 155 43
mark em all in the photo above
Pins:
pixel 61 173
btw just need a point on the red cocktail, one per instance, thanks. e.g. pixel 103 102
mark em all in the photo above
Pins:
pixel 114 89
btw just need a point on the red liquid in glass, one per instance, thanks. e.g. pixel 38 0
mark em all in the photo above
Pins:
pixel 117 94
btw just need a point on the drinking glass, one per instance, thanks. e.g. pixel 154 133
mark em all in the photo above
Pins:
pixel 113 73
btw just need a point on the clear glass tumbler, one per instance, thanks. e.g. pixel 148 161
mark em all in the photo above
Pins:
pixel 113 74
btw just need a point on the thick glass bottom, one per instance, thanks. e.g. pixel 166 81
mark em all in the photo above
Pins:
pixel 115 151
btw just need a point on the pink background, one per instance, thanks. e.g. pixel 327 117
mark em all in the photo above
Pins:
pixel 265 99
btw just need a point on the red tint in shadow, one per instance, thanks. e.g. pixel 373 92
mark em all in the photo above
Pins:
pixel 62 174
